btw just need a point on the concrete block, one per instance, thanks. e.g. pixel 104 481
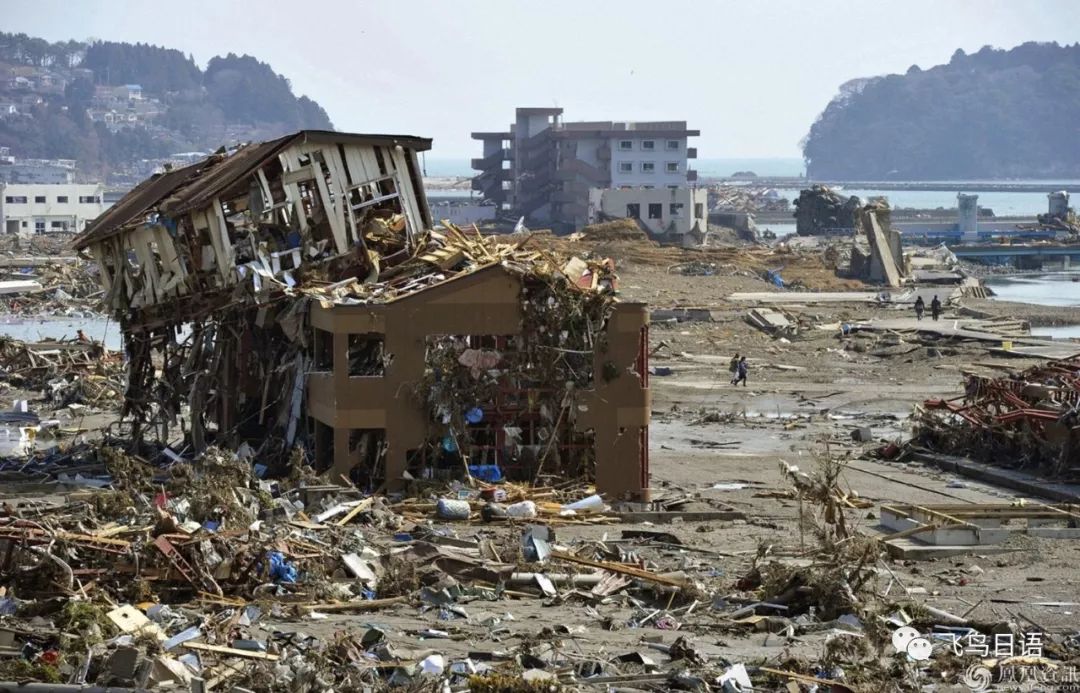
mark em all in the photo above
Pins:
pixel 123 661
pixel 862 435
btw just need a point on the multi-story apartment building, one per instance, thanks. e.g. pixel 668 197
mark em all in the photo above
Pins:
pixel 49 208
pixel 542 168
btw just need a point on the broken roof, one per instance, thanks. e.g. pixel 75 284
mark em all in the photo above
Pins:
pixel 192 187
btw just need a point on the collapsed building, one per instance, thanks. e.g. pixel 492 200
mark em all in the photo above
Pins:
pixel 876 254
pixel 821 211
pixel 291 295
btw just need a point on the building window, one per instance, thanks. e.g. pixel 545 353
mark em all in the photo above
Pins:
pixel 676 209
pixel 648 166
pixel 61 199
pixel 324 351
pixel 366 357
pixel 699 210
pixel 656 210
pixel 89 199
pixel 633 211
pixel 626 145
pixel 672 167
pixel 39 226
pixel 626 167
pixel 15 200
pixel 39 199
pixel 58 225
pixel 673 145
pixel 648 145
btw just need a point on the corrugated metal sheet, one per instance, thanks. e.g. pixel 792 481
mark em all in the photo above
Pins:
pixel 195 186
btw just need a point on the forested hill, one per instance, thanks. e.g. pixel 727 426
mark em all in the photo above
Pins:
pixel 109 105
pixel 992 114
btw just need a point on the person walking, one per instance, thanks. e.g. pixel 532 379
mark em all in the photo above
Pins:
pixel 919 307
pixel 935 307
pixel 733 367
pixel 741 372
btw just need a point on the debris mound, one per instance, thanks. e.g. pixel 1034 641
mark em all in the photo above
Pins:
pixel 1029 420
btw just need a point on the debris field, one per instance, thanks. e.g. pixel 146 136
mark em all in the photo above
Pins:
pixel 348 448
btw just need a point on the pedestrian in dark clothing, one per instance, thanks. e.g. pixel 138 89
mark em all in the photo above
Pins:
pixel 740 373
pixel 919 307
pixel 935 307
pixel 733 367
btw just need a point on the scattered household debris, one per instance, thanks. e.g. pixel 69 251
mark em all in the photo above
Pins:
pixel 773 322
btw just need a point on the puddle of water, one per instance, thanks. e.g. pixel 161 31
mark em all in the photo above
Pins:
pixel 1057 332
pixel 16 441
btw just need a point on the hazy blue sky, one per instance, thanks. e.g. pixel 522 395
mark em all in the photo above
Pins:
pixel 751 75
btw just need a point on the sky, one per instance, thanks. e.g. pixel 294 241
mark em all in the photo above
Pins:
pixel 750 75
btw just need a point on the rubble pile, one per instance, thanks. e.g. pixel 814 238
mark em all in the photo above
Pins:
pixel 820 210
pixel 1030 420
pixel 68 288
pixel 202 573
pixel 64 372
pixel 750 199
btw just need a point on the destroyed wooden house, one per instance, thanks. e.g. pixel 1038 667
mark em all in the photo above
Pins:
pixel 290 294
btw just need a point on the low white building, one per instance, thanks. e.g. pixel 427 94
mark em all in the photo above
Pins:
pixel 676 215
pixel 28 209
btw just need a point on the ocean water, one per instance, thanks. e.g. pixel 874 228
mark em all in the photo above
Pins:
pixel 775 167
pixel 1052 289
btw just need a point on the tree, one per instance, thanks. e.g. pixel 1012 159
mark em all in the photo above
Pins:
pixel 994 113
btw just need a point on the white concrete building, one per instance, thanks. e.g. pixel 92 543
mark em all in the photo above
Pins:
pixel 542 168
pixel 672 214
pixel 647 160
pixel 28 209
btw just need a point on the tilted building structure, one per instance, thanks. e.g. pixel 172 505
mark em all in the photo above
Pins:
pixel 290 294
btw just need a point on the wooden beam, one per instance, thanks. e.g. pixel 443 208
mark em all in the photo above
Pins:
pixel 230 651
pixel 620 569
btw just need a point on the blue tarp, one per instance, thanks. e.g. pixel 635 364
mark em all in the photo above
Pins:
pixel 486 472
pixel 280 569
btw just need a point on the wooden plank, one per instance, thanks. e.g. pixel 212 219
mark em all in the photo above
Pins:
pixel 99 256
pixel 358 168
pixel 140 243
pixel 264 189
pixel 409 202
pixel 339 184
pixel 227 261
pixel 289 161
pixel 229 651
pixel 334 214
pixel 301 174
pixel 361 507
pixel 620 569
